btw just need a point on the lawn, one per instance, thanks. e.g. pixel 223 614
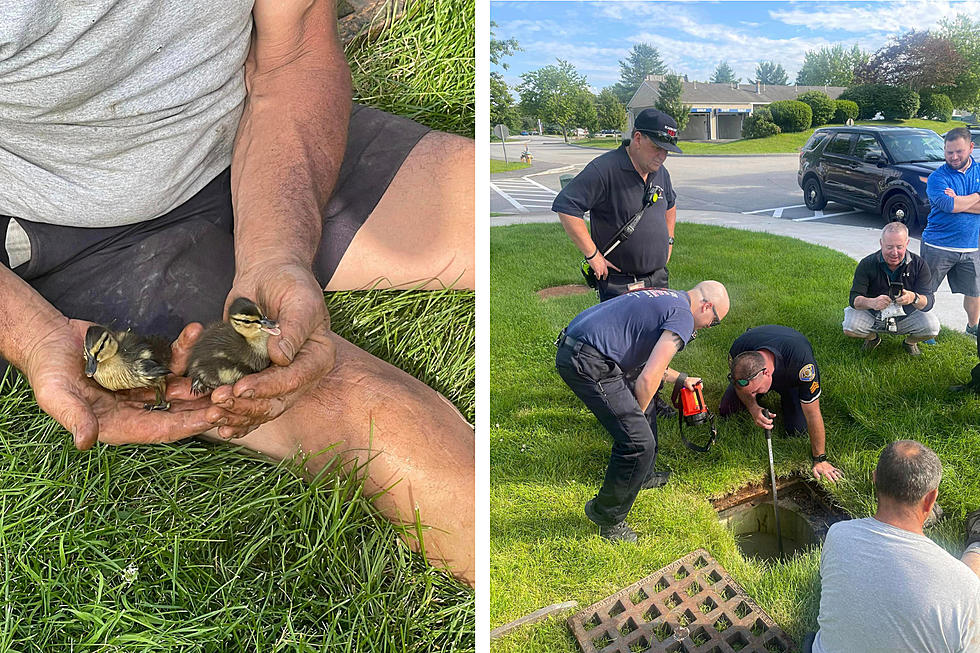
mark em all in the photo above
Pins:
pixel 548 453
pixel 500 166
pixel 780 143
pixel 194 547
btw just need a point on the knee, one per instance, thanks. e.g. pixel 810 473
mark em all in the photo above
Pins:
pixel 855 334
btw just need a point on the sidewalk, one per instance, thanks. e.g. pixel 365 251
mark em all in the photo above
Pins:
pixel 856 242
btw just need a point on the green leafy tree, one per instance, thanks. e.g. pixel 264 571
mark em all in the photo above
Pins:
pixel 820 104
pixel 552 93
pixel 936 106
pixel 500 49
pixel 791 115
pixel 918 60
pixel 586 114
pixel 724 74
pixel 964 33
pixel 832 66
pixel 502 109
pixel 610 112
pixel 669 101
pixel 846 110
pixel 767 72
pixel 642 60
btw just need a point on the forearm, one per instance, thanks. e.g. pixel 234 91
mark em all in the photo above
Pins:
pixel 671 219
pixel 644 390
pixel 862 303
pixel 814 425
pixel 25 319
pixel 966 203
pixel 289 148
pixel 579 233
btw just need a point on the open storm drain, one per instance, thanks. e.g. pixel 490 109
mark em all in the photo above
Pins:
pixel 805 513
pixel 691 605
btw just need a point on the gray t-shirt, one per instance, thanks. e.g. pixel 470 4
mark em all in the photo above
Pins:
pixel 888 590
pixel 116 111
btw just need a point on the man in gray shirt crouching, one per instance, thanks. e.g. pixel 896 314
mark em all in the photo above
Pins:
pixel 886 586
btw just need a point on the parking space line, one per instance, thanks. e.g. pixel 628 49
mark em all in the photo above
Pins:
pixel 819 215
pixel 778 208
pixel 507 197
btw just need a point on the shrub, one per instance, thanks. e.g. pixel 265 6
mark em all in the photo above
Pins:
pixel 759 125
pixel 820 104
pixel 936 106
pixel 845 109
pixel 791 115
pixel 894 102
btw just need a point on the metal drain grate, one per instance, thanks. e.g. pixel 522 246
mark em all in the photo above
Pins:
pixel 690 606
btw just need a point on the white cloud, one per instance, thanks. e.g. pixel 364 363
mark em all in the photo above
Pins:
pixel 888 17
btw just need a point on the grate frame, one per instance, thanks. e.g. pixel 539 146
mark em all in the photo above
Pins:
pixel 663 613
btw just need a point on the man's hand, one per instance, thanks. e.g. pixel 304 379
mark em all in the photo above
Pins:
pixel 950 192
pixel 601 266
pixel 691 381
pixel 55 370
pixel 880 302
pixel 760 419
pixel 906 298
pixel 828 471
pixel 301 354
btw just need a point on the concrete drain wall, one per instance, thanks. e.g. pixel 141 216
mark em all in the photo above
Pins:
pixel 691 605
pixel 805 514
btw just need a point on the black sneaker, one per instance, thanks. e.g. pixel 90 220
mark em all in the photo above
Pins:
pixel 663 408
pixel 868 345
pixel 616 533
pixel 655 480
pixel 972 527
pixel 934 516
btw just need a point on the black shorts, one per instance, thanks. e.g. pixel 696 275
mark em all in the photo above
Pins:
pixel 159 275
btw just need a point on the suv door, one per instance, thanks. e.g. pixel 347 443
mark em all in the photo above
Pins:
pixel 868 177
pixel 837 165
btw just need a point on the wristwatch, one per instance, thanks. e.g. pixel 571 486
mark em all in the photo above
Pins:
pixel 822 458
pixel 670 241
pixel 916 300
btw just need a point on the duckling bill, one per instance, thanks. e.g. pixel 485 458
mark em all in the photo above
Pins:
pixel 123 360
pixel 227 351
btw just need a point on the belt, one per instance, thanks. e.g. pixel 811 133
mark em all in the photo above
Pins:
pixel 576 345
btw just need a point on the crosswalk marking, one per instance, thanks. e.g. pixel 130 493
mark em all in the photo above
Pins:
pixel 524 194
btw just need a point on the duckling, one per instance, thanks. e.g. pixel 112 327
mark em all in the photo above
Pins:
pixel 227 351
pixel 123 360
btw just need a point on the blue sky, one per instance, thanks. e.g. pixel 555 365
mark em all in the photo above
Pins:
pixel 693 37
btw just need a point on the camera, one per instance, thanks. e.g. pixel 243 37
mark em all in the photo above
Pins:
pixel 895 289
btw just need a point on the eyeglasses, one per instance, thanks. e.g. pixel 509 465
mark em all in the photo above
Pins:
pixel 744 382
pixel 661 136
pixel 715 322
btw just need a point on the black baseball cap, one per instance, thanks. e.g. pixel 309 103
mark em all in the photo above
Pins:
pixel 661 128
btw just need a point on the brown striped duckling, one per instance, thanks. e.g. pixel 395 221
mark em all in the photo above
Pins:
pixel 227 351
pixel 123 360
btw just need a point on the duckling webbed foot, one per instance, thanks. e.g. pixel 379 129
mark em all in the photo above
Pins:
pixel 157 406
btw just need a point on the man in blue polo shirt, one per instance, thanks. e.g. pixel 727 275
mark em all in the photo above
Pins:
pixel 611 188
pixel 949 241
pixel 595 352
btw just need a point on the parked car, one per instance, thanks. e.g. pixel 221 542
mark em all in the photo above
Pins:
pixel 524 133
pixel 882 169
pixel 974 135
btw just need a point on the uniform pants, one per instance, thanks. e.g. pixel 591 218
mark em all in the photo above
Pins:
pixel 600 384
pixel 794 422
pixel 616 283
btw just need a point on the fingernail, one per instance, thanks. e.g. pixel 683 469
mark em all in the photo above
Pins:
pixel 286 348
pixel 221 421
pixel 227 403
pixel 248 394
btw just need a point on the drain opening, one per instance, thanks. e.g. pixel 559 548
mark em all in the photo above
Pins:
pixel 806 512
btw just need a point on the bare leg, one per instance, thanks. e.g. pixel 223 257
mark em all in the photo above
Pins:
pixel 422 230
pixel 414 443
pixel 972 560
pixel 972 307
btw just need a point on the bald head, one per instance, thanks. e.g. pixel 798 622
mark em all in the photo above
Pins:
pixel 907 471
pixel 716 293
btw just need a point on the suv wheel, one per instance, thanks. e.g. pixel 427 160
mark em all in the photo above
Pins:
pixel 900 208
pixel 813 195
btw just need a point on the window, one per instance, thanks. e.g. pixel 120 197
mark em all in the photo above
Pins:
pixel 914 146
pixel 840 145
pixel 867 146
pixel 815 140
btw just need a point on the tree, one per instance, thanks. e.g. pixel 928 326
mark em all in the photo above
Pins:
pixel 642 60
pixel 917 60
pixel 502 109
pixel 964 33
pixel 500 49
pixel 585 113
pixel 552 93
pixel 669 101
pixel 610 113
pixel 724 74
pixel 766 72
pixel 821 106
pixel 832 66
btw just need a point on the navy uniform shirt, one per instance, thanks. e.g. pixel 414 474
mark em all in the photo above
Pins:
pixel 794 362
pixel 612 189
pixel 627 327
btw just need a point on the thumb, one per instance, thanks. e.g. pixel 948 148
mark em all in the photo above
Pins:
pixel 297 321
pixel 72 411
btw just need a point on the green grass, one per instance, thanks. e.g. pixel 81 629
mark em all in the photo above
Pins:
pixel 194 547
pixel 500 166
pixel 548 452
pixel 780 143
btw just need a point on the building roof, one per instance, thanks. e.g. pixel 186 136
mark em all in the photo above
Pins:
pixel 700 93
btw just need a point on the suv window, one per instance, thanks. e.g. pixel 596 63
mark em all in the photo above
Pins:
pixel 815 139
pixel 867 146
pixel 914 147
pixel 840 145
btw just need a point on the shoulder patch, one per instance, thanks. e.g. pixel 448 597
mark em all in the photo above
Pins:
pixel 807 372
pixel 813 387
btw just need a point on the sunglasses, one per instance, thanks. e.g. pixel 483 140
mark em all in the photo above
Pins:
pixel 715 322
pixel 661 136
pixel 744 382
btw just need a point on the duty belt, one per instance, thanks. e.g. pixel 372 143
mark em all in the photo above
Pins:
pixel 576 344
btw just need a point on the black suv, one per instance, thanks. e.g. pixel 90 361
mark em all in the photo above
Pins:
pixel 880 169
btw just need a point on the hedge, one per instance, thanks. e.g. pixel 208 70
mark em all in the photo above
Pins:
pixel 936 106
pixel 791 115
pixel 820 104
pixel 845 109
pixel 894 102
pixel 760 124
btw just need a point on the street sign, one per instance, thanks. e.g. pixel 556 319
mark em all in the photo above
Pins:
pixel 501 132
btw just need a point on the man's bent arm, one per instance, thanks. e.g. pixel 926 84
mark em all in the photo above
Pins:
pixel 293 132
pixel 653 373
pixel 815 427
pixel 670 217
pixel 25 319
pixel 578 232
pixel 966 203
